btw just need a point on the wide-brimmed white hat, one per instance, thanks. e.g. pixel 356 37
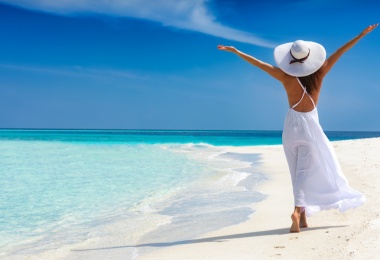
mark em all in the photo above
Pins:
pixel 300 58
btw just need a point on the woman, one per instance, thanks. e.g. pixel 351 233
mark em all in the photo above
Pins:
pixel 318 181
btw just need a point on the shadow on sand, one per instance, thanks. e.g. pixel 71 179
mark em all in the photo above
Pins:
pixel 280 231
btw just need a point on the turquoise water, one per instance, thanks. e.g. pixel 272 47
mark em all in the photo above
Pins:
pixel 63 187
pixel 51 187
pixel 147 136
pixel 214 137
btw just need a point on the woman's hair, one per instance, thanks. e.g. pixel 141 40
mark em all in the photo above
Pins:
pixel 310 82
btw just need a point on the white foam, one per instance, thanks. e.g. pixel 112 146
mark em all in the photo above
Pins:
pixel 234 177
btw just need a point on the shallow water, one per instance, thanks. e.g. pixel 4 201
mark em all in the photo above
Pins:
pixel 59 193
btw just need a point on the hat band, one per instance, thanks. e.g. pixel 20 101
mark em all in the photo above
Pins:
pixel 298 60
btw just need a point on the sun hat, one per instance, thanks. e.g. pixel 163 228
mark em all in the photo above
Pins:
pixel 300 58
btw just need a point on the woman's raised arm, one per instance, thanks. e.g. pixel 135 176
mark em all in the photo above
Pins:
pixel 271 70
pixel 329 63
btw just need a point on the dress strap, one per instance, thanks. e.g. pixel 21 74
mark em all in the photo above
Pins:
pixel 304 92
pixel 300 99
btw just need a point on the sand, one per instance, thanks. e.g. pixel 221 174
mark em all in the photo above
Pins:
pixel 331 235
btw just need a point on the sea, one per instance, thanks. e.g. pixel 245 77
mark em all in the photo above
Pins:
pixel 65 193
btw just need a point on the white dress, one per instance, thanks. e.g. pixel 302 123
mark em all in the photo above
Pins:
pixel 318 181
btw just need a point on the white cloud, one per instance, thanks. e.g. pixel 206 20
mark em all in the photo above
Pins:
pixel 190 15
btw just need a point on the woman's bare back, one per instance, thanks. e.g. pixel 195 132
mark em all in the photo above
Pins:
pixel 294 92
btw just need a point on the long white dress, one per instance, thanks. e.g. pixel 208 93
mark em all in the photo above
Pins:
pixel 318 181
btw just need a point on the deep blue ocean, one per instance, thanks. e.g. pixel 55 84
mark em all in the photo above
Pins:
pixel 65 189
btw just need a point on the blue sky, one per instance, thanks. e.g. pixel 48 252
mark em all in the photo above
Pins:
pixel 144 64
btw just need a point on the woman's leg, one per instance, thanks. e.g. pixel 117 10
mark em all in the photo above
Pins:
pixel 296 216
pixel 303 222
pixel 299 219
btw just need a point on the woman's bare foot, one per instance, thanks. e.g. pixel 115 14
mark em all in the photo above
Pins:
pixel 303 222
pixel 295 228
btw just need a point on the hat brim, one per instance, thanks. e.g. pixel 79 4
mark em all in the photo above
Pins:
pixel 315 60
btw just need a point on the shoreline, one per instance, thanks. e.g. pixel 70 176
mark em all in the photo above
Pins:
pixel 220 198
pixel 331 234
pixel 263 233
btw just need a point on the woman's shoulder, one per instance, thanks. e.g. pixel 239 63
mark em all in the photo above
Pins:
pixel 289 81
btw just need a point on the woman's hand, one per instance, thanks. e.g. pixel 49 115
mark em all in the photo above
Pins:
pixel 368 30
pixel 227 48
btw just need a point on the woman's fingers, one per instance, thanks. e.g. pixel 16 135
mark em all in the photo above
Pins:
pixel 226 48
pixel 369 29
pixel 372 27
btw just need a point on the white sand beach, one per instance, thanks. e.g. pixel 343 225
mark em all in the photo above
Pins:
pixel 331 235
